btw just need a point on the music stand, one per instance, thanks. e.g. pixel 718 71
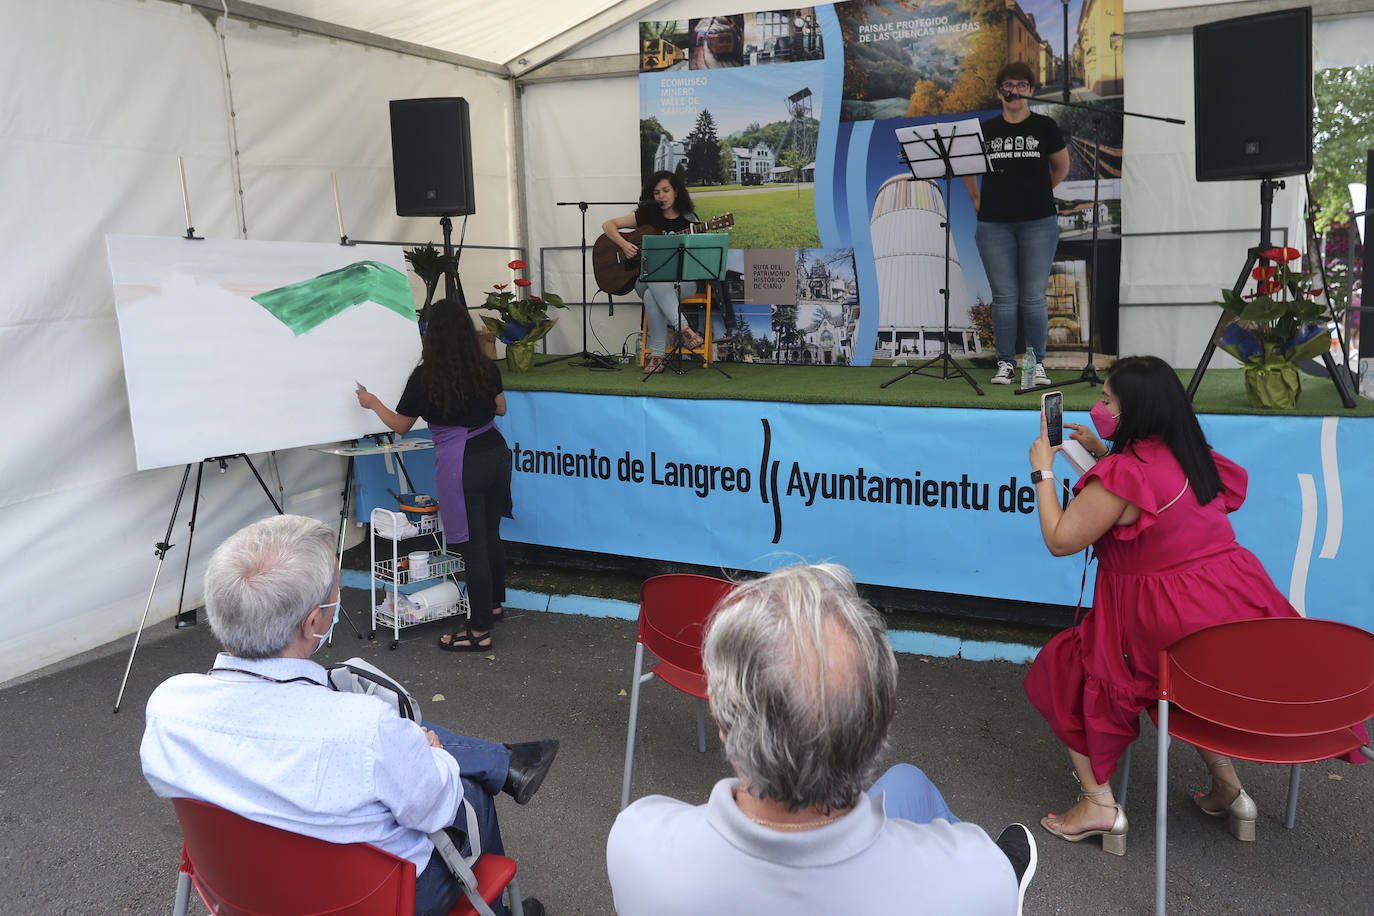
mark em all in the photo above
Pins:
pixel 943 151
pixel 675 258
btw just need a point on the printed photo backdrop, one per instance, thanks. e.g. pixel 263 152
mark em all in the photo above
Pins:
pixel 786 119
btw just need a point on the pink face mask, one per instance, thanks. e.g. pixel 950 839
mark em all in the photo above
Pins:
pixel 1103 422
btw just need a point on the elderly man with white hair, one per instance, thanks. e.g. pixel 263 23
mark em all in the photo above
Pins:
pixel 803 686
pixel 262 735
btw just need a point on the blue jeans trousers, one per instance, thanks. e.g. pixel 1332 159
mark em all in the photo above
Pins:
pixel 660 312
pixel 1017 258
pixel 483 766
pixel 910 795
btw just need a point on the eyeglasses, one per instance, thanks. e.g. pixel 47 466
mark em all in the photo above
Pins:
pixel 1018 86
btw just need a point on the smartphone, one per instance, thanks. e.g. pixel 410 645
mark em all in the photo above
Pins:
pixel 1052 405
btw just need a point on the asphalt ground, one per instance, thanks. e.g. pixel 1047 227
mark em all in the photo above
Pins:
pixel 80 832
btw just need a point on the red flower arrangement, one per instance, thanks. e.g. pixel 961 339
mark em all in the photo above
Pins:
pixel 523 320
pixel 1278 325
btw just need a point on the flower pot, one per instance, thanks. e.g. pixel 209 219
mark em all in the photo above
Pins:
pixel 520 356
pixel 514 332
pixel 1276 385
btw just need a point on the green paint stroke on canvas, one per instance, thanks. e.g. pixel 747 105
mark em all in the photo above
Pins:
pixel 306 305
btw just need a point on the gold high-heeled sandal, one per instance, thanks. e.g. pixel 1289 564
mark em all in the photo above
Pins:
pixel 1113 839
pixel 1241 814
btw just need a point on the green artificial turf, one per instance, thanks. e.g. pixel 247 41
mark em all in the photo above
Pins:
pixel 1222 390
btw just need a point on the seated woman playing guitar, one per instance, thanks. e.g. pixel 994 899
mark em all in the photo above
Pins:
pixel 665 205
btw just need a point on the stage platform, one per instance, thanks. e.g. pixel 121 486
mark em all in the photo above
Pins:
pixel 1222 390
pixel 923 485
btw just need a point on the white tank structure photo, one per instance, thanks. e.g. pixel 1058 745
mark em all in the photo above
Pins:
pixel 909 253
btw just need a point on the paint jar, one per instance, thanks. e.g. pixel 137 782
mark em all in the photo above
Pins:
pixel 419 565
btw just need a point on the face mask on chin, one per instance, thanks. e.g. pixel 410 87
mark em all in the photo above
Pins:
pixel 1104 422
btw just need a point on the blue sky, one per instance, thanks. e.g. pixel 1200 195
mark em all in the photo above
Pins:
pixel 736 96
pixel 1049 21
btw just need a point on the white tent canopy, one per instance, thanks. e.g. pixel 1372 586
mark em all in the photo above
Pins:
pixel 271 104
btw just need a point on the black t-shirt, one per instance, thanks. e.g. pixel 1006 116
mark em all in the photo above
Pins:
pixel 652 215
pixel 1018 187
pixel 415 403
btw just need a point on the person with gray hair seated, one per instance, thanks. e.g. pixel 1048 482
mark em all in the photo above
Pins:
pixel 262 734
pixel 803 686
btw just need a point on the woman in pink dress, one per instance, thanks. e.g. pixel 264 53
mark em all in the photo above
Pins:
pixel 1154 511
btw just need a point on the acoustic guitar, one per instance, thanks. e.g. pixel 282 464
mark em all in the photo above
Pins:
pixel 616 274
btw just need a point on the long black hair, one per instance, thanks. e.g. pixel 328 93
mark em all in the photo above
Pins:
pixel 1154 404
pixel 683 202
pixel 458 376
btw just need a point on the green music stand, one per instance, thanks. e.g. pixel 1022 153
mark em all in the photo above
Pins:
pixel 676 258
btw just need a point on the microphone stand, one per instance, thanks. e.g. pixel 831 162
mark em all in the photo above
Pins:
pixel 589 360
pixel 1088 376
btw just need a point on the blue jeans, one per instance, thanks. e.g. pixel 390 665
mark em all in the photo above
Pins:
pixel 910 795
pixel 1017 258
pixel 660 312
pixel 483 766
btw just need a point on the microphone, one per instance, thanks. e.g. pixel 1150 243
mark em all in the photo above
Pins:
pixel 1008 96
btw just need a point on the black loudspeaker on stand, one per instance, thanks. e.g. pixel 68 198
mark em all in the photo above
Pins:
pixel 1254 121
pixel 1252 96
pixel 431 167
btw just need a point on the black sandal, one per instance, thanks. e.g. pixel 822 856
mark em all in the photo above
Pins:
pixel 465 641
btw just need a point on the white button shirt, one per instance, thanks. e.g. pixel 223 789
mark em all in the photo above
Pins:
pixel 342 767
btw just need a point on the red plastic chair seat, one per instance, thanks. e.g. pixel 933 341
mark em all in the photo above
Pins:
pixel 243 868
pixel 1285 690
pixel 672 620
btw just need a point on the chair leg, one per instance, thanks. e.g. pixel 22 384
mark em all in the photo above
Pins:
pixel 1125 776
pixel 630 735
pixel 517 905
pixel 1161 828
pixel 183 894
pixel 1294 778
pixel 701 725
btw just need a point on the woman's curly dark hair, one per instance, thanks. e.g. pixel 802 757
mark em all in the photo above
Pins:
pixel 458 377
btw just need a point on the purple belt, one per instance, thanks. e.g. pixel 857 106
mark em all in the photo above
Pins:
pixel 450 442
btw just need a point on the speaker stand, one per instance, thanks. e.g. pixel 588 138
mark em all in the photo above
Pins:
pixel 1339 378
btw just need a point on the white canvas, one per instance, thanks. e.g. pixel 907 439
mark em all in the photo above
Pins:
pixel 212 372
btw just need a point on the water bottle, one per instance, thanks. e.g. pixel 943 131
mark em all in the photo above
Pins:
pixel 1028 369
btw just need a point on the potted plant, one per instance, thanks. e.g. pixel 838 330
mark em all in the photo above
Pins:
pixel 524 319
pixel 1274 328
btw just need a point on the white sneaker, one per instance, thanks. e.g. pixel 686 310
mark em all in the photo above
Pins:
pixel 1041 377
pixel 1005 373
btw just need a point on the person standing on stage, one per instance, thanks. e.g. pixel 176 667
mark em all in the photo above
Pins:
pixel 458 391
pixel 665 205
pixel 1018 223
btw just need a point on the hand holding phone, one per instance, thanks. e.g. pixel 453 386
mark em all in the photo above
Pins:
pixel 1052 407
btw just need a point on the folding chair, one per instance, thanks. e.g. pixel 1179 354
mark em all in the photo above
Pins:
pixel 672 618
pixel 1285 690
pixel 706 351
pixel 243 868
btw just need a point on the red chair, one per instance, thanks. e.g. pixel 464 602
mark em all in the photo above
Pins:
pixel 1285 690
pixel 243 868
pixel 672 619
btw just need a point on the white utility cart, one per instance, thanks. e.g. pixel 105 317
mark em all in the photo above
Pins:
pixel 397 610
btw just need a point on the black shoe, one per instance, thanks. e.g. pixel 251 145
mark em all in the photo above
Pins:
pixel 529 764
pixel 1018 845
pixel 531 906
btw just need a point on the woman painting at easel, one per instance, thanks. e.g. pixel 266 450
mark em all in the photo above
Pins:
pixel 665 205
pixel 459 393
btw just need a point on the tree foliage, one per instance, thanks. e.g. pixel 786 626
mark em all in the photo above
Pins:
pixel 703 151
pixel 649 131
pixel 1343 134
